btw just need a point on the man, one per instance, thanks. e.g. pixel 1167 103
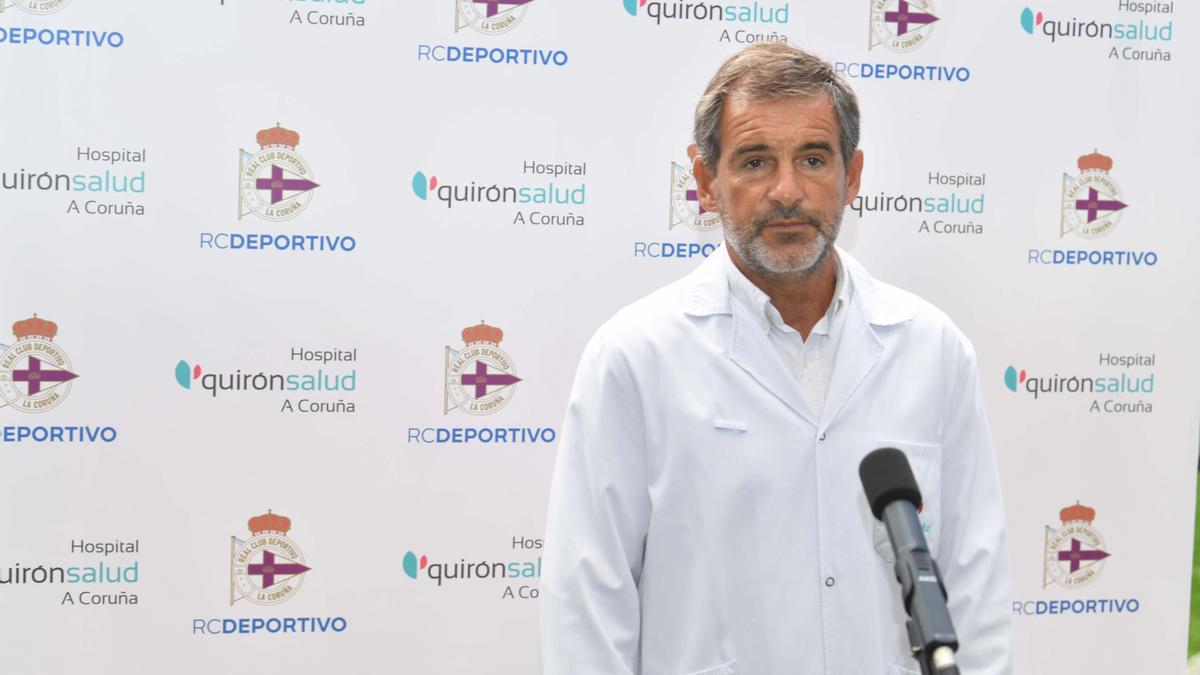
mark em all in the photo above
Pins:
pixel 705 514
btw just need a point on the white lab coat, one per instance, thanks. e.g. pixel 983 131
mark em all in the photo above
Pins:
pixel 701 522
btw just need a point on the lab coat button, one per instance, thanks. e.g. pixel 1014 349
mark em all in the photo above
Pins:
pixel 821 438
pixel 829 582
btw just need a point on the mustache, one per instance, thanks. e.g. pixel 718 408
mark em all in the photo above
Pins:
pixel 794 213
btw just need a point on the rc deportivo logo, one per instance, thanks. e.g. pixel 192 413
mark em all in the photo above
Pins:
pixel 480 378
pixel 1092 201
pixel 268 568
pixel 487 17
pixel 1075 552
pixel 901 26
pixel 34 6
pixel 1029 20
pixel 275 183
pixel 35 373
pixel 685 202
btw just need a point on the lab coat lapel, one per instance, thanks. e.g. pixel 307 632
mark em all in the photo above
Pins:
pixel 750 348
pixel 872 305
pixel 860 349
pixel 857 355
pixel 708 295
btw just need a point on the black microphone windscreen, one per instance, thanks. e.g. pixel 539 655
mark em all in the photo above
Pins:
pixel 886 477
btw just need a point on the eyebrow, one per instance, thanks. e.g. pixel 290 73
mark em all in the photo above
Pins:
pixel 817 145
pixel 759 147
pixel 747 149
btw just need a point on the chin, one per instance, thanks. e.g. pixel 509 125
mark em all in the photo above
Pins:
pixel 802 262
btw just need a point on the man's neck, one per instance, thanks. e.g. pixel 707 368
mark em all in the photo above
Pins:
pixel 801 299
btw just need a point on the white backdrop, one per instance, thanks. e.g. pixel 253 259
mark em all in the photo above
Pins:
pixel 141 459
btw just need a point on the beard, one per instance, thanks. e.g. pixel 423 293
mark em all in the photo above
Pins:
pixel 786 260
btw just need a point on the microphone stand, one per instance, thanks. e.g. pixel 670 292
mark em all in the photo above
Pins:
pixel 930 632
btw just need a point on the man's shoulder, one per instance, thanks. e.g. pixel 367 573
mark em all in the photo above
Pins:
pixel 668 322
pixel 890 306
pixel 648 319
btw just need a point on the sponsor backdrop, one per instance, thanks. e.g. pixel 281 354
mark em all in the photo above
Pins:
pixel 293 294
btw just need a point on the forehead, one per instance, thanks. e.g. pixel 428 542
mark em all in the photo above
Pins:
pixel 778 121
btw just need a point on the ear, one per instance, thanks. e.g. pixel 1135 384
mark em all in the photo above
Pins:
pixel 706 187
pixel 853 176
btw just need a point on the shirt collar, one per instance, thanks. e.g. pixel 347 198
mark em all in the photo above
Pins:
pixel 753 297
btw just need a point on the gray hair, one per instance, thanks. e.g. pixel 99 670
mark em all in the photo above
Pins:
pixel 771 70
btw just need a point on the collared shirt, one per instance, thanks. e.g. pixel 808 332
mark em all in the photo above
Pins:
pixel 810 362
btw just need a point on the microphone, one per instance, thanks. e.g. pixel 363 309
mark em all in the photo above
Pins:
pixel 894 497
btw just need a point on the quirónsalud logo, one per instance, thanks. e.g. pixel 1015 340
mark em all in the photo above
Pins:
pixel 1030 20
pixel 185 374
pixel 414 565
pixel 422 186
pixel 756 12
pixel 463 570
pixel 1012 378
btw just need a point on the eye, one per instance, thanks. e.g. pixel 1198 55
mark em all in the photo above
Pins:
pixel 756 163
pixel 813 162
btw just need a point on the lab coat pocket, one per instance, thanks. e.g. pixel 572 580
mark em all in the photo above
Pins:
pixel 723 669
pixel 926 462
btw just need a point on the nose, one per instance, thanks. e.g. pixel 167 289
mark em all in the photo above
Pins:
pixel 788 187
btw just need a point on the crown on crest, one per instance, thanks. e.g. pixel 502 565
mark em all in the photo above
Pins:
pixel 277 136
pixel 1077 513
pixel 1095 161
pixel 482 332
pixel 270 522
pixel 35 327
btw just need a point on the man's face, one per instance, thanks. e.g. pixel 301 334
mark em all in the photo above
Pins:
pixel 781 182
